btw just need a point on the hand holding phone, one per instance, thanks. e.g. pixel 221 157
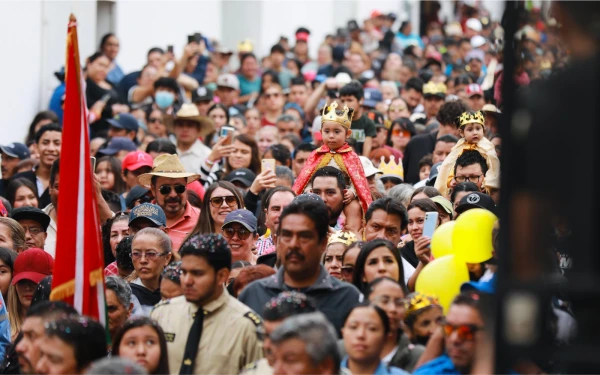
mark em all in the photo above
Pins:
pixel 227 132
pixel 268 164
pixel 431 220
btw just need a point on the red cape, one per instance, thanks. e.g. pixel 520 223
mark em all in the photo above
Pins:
pixel 347 161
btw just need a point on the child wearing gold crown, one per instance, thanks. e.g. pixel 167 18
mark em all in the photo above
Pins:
pixel 337 153
pixel 471 126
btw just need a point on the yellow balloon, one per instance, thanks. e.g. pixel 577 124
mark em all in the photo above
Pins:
pixel 441 242
pixel 442 278
pixel 472 236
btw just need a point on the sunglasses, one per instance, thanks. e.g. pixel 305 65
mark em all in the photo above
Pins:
pixel 217 202
pixel 274 95
pixel 397 109
pixel 347 271
pixel 145 199
pixel 401 133
pixel 155 119
pixel 166 189
pixel 465 332
pixel 243 234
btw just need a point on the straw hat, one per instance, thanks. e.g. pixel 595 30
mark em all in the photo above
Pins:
pixel 190 112
pixel 167 166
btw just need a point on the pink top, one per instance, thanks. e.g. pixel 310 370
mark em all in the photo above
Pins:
pixel 179 230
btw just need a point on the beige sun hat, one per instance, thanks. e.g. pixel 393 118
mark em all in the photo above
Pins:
pixel 189 111
pixel 167 166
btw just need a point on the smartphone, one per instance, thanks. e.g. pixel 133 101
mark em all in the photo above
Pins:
pixel 170 48
pixel 197 37
pixel 227 131
pixel 431 220
pixel 268 164
pixel 93 160
pixel 105 98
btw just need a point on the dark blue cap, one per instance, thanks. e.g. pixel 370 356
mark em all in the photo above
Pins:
pixel 243 175
pixel 124 121
pixel 118 144
pixel 148 211
pixel 476 200
pixel 134 194
pixel 296 107
pixel 480 286
pixel 372 97
pixel 16 150
pixel 244 217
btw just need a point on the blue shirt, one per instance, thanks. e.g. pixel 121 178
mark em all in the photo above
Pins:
pixel 115 75
pixel 381 369
pixel 56 101
pixel 441 365
pixel 248 87
pixel 409 40
pixel 4 328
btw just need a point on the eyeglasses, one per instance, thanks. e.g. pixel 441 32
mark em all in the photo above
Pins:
pixel 385 300
pixel 150 255
pixel 473 179
pixel 397 109
pixel 347 271
pixel 401 133
pixel 465 332
pixel 155 119
pixel 217 202
pixel 34 231
pixel 243 234
pixel 274 95
pixel 166 189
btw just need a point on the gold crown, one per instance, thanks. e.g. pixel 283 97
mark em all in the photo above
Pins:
pixel 432 88
pixel 329 114
pixel 419 301
pixel 471 117
pixel 342 237
pixel 391 169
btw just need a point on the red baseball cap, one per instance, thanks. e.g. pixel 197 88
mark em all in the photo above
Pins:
pixel 302 37
pixel 473 89
pixel 137 159
pixel 32 264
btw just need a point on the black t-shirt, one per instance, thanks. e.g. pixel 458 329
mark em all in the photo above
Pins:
pixel 416 148
pixel 363 125
pixel 408 253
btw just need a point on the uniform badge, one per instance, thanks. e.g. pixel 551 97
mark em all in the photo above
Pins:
pixel 253 317
pixel 170 337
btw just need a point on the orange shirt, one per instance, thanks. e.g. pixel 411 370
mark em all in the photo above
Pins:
pixel 179 230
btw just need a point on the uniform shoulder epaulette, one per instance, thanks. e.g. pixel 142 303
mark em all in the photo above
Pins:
pixel 250 367
pixel 254 317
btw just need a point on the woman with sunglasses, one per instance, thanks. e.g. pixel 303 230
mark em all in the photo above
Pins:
pixel 334 252
pixel 349 260
pixel 423 317
pixel 150 253
pixel 155 122
pixel 378 258
pixel 365 332
pixel 401 131
pixel 220 198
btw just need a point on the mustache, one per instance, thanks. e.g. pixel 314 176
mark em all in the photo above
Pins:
pixel 173 200
pixel 292 253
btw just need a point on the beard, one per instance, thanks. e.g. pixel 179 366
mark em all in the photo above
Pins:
pixel 334 213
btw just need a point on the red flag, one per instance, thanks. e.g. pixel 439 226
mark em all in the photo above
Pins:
pixel 78 269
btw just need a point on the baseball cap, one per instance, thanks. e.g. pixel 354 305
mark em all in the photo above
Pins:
pixel 474 24
pixel 476 200
pixel 475 54
pixel 16 150
pixel 473 89
pixel 343 78
pixel 150 212
pixel 488 287
pixel 135 160
pixel 377 118
pixel 134 194
pixel 433 173
pixel 243 175
pixel 302 36
pixel 242 216
pixel 32 264
pixel 124 121
pixel 368 166
pixel 201 94
pixel 295 106
pixel 444 203
pixel 118 144
pixel 31 213
pixel 229 81
pixel 477 41
pixel 372 97
pixel 352 26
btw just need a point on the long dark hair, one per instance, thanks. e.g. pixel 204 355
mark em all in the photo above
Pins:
pixel 41 116
pixel 115 167
pixel 254 160
pixel 142 321
pixel 14 185
pixel 206 223
pixel 404 124
pixel 361 260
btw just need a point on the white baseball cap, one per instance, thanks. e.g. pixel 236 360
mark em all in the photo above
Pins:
pixel 228 80
pixel 368 166
pixel 474 24
pixel 477 41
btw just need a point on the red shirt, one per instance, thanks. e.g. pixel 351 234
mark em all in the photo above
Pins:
pixel 179 230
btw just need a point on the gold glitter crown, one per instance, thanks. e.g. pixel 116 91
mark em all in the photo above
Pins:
pixel 342 237
pixel 419 301
pixel 470 118
pixel 330 114
pixel 391 169
pixel 432 88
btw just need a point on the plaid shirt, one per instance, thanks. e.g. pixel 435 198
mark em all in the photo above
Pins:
pixel 263 244
pixel 111 269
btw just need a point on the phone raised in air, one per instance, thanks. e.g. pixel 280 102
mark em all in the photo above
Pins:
pixel 431 220
pixel 170 48
pixel 268 164
pixel 227 131
pixel 93 160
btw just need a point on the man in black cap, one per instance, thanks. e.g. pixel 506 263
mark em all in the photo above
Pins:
pixel 123 125
pixel 136 196
pixel 35 224
pixel 11 154
pixel 118 147
pixel 203 99
pixel 475 200
pixel 242 178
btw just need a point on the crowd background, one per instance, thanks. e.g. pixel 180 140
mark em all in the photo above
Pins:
pixel 199 168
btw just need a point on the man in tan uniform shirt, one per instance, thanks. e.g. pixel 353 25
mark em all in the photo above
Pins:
pixel 228 339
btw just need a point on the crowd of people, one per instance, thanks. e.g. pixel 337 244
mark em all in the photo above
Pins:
pixel 280 214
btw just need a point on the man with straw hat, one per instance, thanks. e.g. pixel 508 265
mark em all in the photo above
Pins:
pixel 168 181
pixel 188 126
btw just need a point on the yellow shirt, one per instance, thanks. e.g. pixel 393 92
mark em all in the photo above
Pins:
pixel 228 343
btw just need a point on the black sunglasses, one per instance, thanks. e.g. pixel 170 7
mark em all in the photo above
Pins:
pixel 146 199
pixel 166 189
pixel 217 202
